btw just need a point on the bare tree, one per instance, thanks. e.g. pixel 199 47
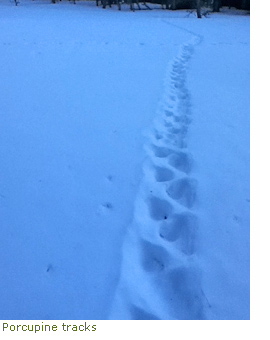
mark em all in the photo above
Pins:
pixel 245 4
pixel 216 5
pixel 198 9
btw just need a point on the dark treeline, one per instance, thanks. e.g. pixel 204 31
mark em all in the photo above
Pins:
pixel 213 5
pixel 240 4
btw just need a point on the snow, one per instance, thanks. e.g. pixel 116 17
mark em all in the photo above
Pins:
pixel 124 187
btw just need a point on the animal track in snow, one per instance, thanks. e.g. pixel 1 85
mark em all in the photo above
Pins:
pixel 158 135
pixel 168 124
pixel 181 286
pixel 163 174
pixel 184 121
pixel 181 161
pixel 159 209
pixel 173 130
pixel 176 119
pixel 183 190
pixel 182 228
pixel 168 113
pixel 161 152
pixel 165 249
pixel 153 257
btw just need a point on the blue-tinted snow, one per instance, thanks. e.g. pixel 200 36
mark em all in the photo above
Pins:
pixel 124 187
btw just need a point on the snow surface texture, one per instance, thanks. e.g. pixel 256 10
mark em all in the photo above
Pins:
pixel 79 87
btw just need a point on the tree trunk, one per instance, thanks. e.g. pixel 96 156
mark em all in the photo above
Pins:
pixel 198 9
pixel 173 4
pixel 216 5
pixel 245 4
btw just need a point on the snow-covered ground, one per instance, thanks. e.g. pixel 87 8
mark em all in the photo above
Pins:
pixel 124 186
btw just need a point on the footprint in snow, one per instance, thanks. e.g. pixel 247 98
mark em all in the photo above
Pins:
pixel 163 174
pixel 181 161
pixel 159 209
pixel 158 135
pixel 183 191
pixel 161 152
pixel 153 257
pixel 181 286
pixel 168 113
pixel 181 228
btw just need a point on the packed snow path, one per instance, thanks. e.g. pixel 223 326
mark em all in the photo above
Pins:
pixel 78 102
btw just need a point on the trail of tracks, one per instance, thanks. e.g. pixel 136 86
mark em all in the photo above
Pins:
pixel 160 272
